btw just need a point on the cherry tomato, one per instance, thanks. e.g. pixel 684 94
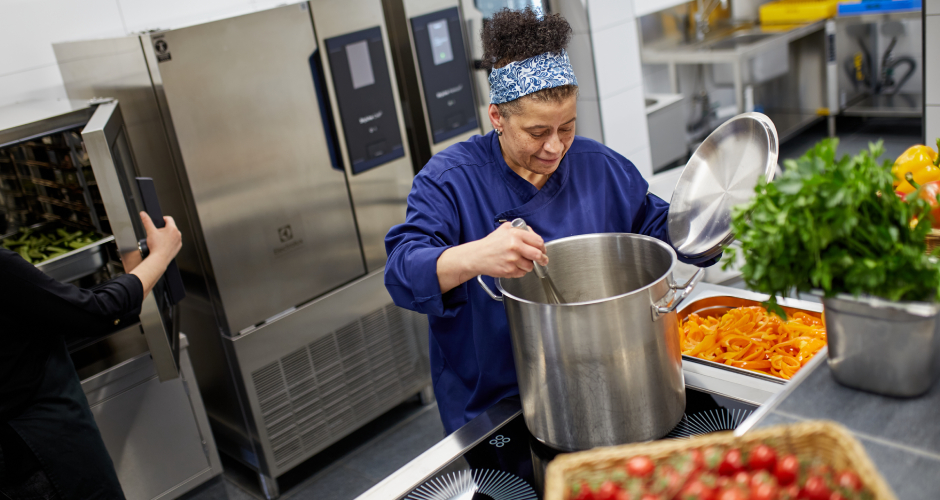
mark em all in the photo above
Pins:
pixel 742 479
pixel 585 493
pixel 816 489
pixel 836 496
pixel 723 483
pixel 712 456
pixel 608 491
pixel 731 464
pixel 791 492
pixel 650 496
pixel 764 491
pixel 667 482
pixel 762 477
pixel 787 469
pixel 849 480
pixel 762 457
pixel 696 490
pixel 732 494
pixel 640 466
pixel 698 459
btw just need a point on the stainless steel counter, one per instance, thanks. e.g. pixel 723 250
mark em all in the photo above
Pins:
pixel 902 436
pixel 726 47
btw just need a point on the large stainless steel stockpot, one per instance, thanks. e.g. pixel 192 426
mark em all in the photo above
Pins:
pixel 604 368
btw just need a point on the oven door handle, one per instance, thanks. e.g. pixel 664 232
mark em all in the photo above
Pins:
pixel 326 110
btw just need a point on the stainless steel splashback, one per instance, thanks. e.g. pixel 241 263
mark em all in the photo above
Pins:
pixel 379 195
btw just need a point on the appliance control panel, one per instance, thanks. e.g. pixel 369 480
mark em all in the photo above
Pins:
pixel 366 101
pixel 445 73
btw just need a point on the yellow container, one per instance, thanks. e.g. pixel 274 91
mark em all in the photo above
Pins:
pixel 797 11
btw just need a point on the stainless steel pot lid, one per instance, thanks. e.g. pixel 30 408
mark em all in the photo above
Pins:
pixel 720 175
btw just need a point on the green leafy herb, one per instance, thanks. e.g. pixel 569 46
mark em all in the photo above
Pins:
pixel 838 226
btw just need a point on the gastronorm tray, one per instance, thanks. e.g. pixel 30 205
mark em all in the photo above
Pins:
pixel 719 304
pixel 76 264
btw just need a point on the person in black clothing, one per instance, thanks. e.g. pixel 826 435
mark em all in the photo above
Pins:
pixel 50 446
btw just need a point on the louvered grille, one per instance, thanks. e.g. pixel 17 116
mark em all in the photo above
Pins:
pixel 316 394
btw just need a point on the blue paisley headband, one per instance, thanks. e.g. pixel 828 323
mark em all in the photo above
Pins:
pixel 544 71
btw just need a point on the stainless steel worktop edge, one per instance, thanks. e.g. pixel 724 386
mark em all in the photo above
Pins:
pixel 798 379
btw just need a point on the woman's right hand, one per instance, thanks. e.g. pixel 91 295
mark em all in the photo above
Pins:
pixel 164 243
pixel 507 252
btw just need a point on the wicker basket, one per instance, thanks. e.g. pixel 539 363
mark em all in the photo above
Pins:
pixel 825 440
pixel 933 240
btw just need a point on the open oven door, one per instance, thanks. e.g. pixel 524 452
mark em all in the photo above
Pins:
pixel 105 138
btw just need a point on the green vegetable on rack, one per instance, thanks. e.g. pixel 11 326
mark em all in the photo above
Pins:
pixel 836 225
pixel 38 245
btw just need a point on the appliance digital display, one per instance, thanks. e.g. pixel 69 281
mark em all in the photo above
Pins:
pixel 445 74
pixel 360 65
pixel 366 102
pixel 440 42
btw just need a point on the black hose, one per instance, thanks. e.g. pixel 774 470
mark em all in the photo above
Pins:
pixel 912 66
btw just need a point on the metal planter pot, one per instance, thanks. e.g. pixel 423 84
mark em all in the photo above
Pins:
pixel 889 348
pixel 606 367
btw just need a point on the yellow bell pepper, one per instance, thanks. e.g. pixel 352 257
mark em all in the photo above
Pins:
pixel 921 161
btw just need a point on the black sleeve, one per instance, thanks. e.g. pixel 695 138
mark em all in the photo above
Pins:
pixel 38 303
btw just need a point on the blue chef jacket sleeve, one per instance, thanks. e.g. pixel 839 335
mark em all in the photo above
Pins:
pixel 652 220
pixel 431 226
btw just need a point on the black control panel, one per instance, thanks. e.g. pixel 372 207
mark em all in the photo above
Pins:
pixel 366 101
pixel 445 73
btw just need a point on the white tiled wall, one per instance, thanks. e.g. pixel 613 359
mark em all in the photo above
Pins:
pixel 616 50
pixel 617 67
pixel 28 28
pixel 624 119
pixel 932 7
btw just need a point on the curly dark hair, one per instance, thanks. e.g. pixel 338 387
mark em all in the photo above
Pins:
pixel 516 35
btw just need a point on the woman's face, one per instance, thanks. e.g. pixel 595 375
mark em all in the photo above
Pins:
pixel 537 138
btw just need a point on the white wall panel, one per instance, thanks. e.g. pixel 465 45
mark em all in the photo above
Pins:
pixel 932 130
pixel 932 60
pixel 28 28
pixel 38 84
pixel 617 58
pixel 624 120
pixel 606 13
pixel 142 15
pixel 932 7
pixel 644 7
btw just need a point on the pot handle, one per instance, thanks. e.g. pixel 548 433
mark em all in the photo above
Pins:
pixel 676 295
pixel 498 298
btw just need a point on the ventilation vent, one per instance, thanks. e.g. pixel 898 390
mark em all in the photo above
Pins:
pixel 331 387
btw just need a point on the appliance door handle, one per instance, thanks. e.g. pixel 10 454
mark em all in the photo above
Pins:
pixel 151 204
pixel 326 110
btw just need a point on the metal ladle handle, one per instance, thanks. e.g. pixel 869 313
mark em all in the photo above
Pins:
pixel 540 270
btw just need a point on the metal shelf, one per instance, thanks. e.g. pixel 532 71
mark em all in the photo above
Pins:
pixel 894 106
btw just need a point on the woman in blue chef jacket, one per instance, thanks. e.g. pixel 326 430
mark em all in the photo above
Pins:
pixel 531 166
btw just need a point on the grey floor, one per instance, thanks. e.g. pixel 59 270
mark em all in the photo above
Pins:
pixel 353 465
pixel 346 469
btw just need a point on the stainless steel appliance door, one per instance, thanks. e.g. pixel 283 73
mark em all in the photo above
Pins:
pixel 276 216
pixel 112 162
pixel 379 194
